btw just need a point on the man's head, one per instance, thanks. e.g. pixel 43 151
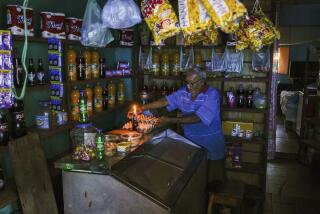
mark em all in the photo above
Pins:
pixel 194 80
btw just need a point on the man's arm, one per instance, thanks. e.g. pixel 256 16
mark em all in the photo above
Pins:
pixel 156 104
pixel 182 120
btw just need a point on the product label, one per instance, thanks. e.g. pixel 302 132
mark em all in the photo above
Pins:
pixel 31 77
pixel 40 76
pixel 19 116
pixel 42 121
pixel 98 103
pixel 4 127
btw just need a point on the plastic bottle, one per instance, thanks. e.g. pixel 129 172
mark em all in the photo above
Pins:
pixel 105 97
pixel 165 64
pixel 95 64
pixel 121 92
pixel 72 65
pixel 83 117
pixel 87 63
pixel 112 95
pixel 31 74
pixel 4 128
pixel 176 64
pixel 155 64
pixel 99 145
pixel 102 67
pixel 81 75
pixel 75 111
pixel 98 107
pixel 18 123
pixel 89 97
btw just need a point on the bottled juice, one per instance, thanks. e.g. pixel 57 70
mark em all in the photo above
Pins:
pixel 74 96
pixel 86 55
pixel 155 63
pixel 72 65
pixel 105 97
pixel 121 92
pixel 198 59
pixel 83 117
pixel 176 64
pixel 98 107
pixel 165 64
pixel 111 94
pixel 80 69
pixel 95 64
pixel 89 95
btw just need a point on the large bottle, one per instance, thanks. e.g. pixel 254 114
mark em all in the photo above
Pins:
pixel 98 99
pixel 72 65
pixel 89 96
pixel 87 63
pixel 4 128
pixel 40 73
pixel 75 110
pixel 83 118
pixel 18 123
pixel 31 74
pixel 105 97
pixel 99 145
pixel 112 95
pixel 102 67
pixel 18 73
pixel 81 75
pixel 121 92
pixel 95 64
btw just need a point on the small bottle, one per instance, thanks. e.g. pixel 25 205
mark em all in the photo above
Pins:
pixel 241 97
pixel 74 97
pixel 89 97
pixel 86 55
pixel 80 69
pixel 144 95
pixel 95 64
pixel 98 107
pixel 72 65
pixel 102 67
pixel 4 128
pixel 99 145
pixel 250 97
pixel 121 92
pixel 31 74
pixel 112 95
pixel 18 123
pixel 18 73
pixel 83 108
pixel 105 97
pixel 40 73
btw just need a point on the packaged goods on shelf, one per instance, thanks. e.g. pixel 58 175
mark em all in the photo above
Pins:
pixel 73 28
pixel 52 25
pixel 126 37
pixel 15 20
pixel 228 126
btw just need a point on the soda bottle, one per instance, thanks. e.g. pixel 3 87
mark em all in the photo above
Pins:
pixel 102 67
pixel 112 95
pixel 155 63
pixel 18 123
pixel 99 145
pixel 75 111
pixel 250 97
pixel 176 64
pixel 80 69
pixel 165 64
pixel 83 118
pixel 86 55
pixel 4 128
pixel 89 96
pixel 98 107
pixel 31 74
pixel 17 73
pixel 95 64
pixel 121 92
pixel 40 73
pixel 241 98
pixel 72 65
pixel 105 97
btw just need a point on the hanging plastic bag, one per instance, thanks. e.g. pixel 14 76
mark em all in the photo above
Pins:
pixel 233 60
pixel 261 60
pixel 188 60
pixel 217 63
pixel 92 32
pixel 119 14
pixel 145 60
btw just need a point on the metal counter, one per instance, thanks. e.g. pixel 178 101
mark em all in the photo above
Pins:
pixel 166 174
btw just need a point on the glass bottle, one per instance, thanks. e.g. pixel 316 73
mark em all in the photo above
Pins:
pixel 18 123
pixel 83 118
pixel 99 145
pixel 4 128
pixel 75 110
pixel 165 64
pixel 105 97
pixel 144 95
pixel 134 122
pixel 86 54
pixel 112 95
pixel 95 64
pixel 72 65
pixel 250 97
pixel 102 67
pixel 176 64
pixel 80 69
pixel 231 98
pixel 40 73
pixel 31 74
pixel 18 73
pixel 121 92
pixel 98 107
pixel 155 63
pixel 89 97
pixel 241 96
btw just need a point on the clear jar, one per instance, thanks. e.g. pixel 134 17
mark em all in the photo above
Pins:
pixel 44 117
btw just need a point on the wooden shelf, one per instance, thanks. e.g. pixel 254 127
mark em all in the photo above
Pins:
pixel 230 140
pixel 165 77
pixel 179 46
pixel 117 106
pixel 9 194
pixel 94 81
pixel 249 168
pixel 239 79
pixel 245 110
pixel 36 88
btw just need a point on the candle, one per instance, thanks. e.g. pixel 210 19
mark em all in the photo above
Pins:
pixel 134 110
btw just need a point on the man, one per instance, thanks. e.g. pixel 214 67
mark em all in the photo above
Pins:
pixel 200 107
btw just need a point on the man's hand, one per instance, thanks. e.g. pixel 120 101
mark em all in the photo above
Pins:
pixel 164 121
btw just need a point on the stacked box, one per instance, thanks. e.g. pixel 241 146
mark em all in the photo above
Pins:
pixel 6 69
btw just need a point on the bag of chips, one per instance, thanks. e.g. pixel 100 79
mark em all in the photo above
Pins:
pixel 160 18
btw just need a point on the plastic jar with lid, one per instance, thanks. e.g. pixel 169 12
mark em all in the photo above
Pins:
pixel 44 117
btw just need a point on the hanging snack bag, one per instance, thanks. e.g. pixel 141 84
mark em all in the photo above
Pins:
pixel 160 18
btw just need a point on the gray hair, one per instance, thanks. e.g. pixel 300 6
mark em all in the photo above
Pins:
pixel 197 71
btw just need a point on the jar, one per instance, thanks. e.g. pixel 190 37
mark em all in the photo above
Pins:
pixel 44 116
pixel 83 142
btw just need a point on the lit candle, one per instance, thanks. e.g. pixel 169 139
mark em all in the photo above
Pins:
pixel 134 110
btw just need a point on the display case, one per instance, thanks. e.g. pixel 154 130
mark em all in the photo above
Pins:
pixel 166 174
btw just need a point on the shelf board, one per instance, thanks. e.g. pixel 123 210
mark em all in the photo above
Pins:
pixel 165 77
pixel 179 46
pixel 246 110
pixel 249 168
pixel 239 79
pixel 94 81
pixel 36 88
pixel 230 140
pixel 9 194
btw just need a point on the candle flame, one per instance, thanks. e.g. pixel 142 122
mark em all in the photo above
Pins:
pixel 134 110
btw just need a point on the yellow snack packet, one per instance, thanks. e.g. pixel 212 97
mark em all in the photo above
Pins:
pixel 212 37
pixel 160 18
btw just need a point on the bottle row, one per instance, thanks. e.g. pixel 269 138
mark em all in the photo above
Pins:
pixel 153 92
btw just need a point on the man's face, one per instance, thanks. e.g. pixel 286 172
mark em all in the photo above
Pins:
pixel 194 84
